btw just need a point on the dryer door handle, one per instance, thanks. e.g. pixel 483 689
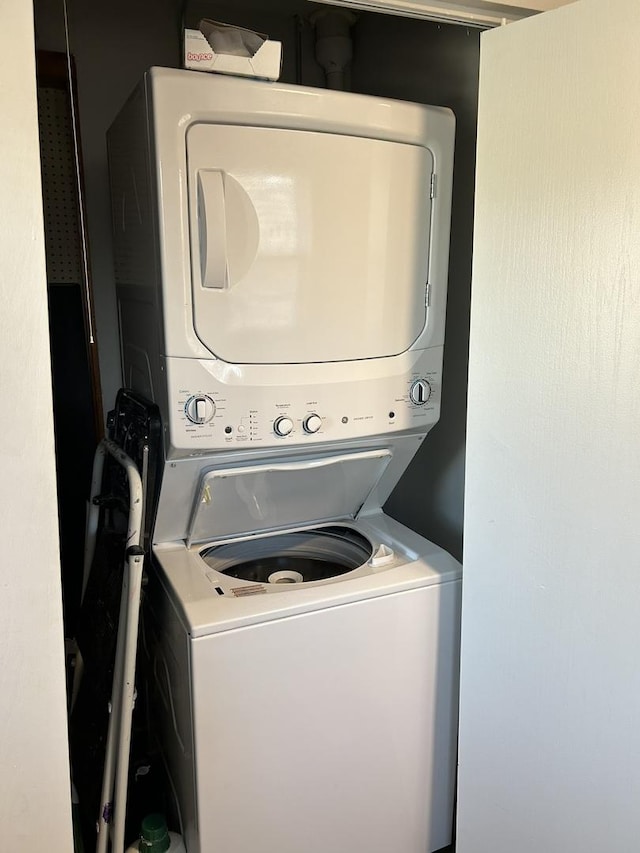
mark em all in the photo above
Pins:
pixel 212 229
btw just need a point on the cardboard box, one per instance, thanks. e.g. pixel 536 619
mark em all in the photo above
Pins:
pixel 264 61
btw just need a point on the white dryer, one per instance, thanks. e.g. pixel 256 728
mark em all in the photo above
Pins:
pixel 281 256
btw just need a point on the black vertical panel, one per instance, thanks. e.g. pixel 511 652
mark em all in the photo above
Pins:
pixel 74 434
pixel 73 391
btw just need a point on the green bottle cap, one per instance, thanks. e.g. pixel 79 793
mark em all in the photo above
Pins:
pixel 154 835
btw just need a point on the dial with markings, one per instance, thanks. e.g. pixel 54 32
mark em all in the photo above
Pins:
pixel 200 409
pixel 283 426
pixel 420 392
pixel 312 423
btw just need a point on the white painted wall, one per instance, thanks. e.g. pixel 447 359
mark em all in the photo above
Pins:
pixel 34 767
pixel 550 711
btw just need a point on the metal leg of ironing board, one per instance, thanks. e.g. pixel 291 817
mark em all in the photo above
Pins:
pixel 122 694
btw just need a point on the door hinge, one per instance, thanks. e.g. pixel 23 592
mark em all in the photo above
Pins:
pixel 427 295
pixel 433 187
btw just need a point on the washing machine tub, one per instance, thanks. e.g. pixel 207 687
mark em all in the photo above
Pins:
pixel 301 556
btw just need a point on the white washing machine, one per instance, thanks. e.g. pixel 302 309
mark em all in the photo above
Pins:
pixel 281 256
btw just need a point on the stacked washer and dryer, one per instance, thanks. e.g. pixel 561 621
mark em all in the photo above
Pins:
pixel 281 260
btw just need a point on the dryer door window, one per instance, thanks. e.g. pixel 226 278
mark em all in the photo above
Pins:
pixel 306 247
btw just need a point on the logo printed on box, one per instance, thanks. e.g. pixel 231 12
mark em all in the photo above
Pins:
pixel 199 57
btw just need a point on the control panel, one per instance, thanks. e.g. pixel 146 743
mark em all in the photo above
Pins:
pixel 209 414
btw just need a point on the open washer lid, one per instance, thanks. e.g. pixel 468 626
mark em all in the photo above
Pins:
pixel 273 495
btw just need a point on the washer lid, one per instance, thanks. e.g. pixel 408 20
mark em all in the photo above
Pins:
pixel 236 501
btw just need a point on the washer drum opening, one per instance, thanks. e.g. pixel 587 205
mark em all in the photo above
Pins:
pixel 298 557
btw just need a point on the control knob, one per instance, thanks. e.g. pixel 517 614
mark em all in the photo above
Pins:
pixel 420 392
pixel 283 426
pixel 312 423
pixel 200 409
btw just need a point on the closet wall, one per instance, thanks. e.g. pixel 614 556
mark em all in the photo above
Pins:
pixel 35 807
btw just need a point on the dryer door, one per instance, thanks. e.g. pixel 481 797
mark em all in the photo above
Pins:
pixel 306 246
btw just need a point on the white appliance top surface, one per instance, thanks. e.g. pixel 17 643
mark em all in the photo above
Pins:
pixel 209 602
pixel 241 101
